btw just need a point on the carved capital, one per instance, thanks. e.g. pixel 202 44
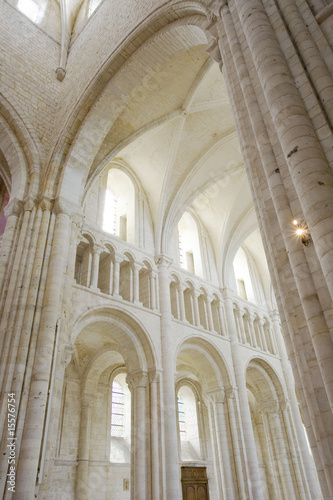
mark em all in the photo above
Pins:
pixel 46 204
pixel 269 407
pixel 162 260
pixel 118 257
pixel 97 249
pixel 230 392
pixel 62 206
pixel 14 207
pixel 136 380
pixel 215 395
pixel 29 203
pixel 154 375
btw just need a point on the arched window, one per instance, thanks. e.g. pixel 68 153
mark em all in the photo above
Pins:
pixel 119 206
pixel 120 421
pixel 242 275
pixel 93 4
pixel 30 8
pixel 189 245
pixel 188 425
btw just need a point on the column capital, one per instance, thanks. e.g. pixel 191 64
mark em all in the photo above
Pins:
pixel 154 375
pixel 62 206
pixel 98 249
pixel 230 392
pixel 14 207
pixel 210 298
pixel 29 203
pixel 78 220
pixel 118 257
pixel 272 406
pixel 46 203
pixel 217 395
pixel 137 379
pixel 274 315
pixel 137 266
pixel 162 260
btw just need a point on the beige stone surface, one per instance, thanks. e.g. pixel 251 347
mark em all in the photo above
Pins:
pixel 205 128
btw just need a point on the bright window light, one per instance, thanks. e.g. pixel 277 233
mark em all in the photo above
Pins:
pixel 93 6
pixel 29 8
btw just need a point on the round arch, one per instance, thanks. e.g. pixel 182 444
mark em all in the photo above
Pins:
pixel 20 149
pixel 128 334
pixel 80 164
pixel 197 352
pixel 262 378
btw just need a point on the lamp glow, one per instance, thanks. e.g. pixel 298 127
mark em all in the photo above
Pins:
pixel 302 232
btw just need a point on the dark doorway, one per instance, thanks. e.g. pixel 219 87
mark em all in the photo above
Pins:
pixel 194 483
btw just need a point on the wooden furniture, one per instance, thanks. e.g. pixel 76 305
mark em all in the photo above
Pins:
pixel 194 483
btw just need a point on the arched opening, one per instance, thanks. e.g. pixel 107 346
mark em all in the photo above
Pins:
pixel 119 206
pixel 190 448
pixel 105 408
pixel 242 275
pixel 83 261
pixel 120 446
pixel 203 419
pixel 280 463
pixel 189 245
pixel 30 8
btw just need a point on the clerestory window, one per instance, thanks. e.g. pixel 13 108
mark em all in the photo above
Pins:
pixel 30 8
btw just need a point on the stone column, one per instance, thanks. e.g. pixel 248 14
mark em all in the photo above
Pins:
pixel 230 395
pixel 240 324
pixel 294 455
pixel 272 409
pixel 250 320
pixel 95 267
pixel 308 167
pixel 169 397
pixel 196 294
pixel 12 211
pixel 111 280
pixel 136 283
pixel 154 437
pixel 181 290
pixel 267 456
pixel 116 275
pixel 137 383
pixel 297 422
pixel 262 333
pixel 217 401
pixel 153 302
pixel 209 313
pixel 252 459
pixel 216 447
pixel 38 395
pixel 249 114
pixel 222 320
pixel 82 488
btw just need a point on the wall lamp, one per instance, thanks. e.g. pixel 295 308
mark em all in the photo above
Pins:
pixel 302 232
